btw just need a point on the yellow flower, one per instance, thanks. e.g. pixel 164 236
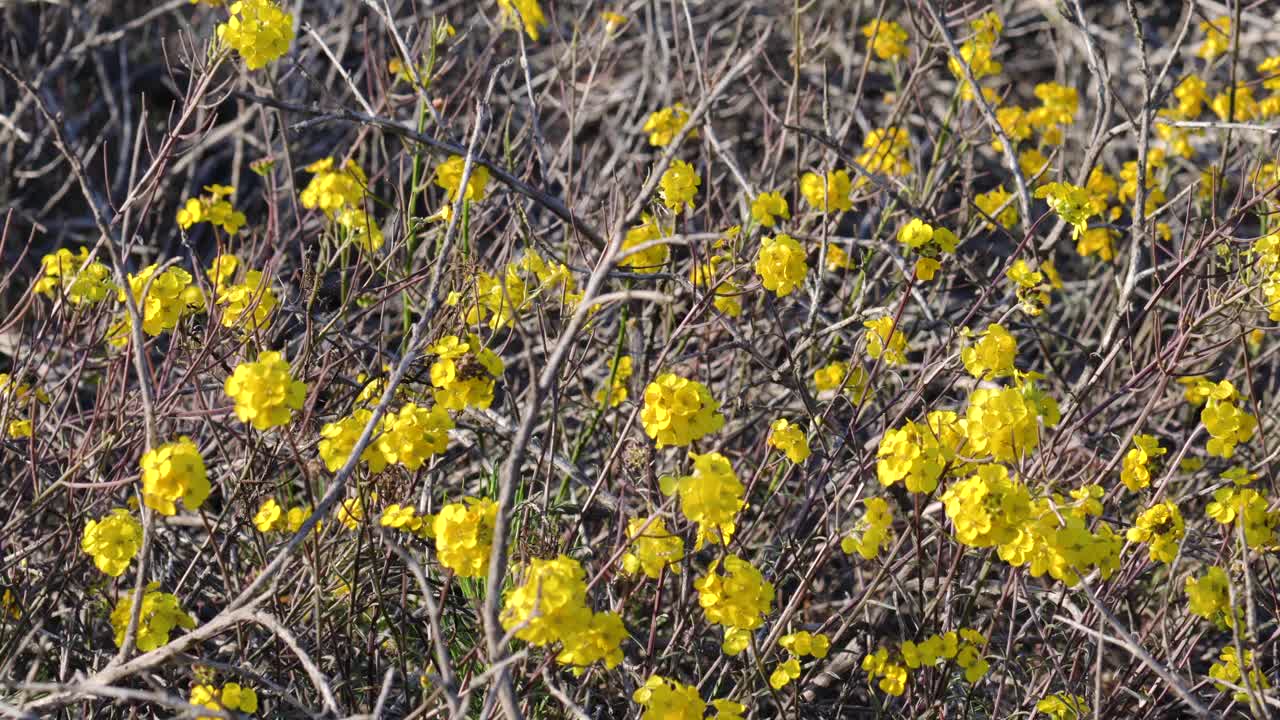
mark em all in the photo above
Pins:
pixel 265 392
pixel 679 185
pixel 992 201
pixel 414 434
pixel 464 373
pixel 829 194
pixel 678 411
pixel 549 604
pixel 1160 527
pixel 259 30
pixel 1098 241
pixel 330 190
pixel 619 374
pixel 664 699
pixel 212 208
pixel 524 12
pixel 1228 424
pixel 663 125
pixel 781 264
pixel 1217 37
pixel 1209 597
pixel 873 532
pixel 1063 706
pixel 993 355
pixel 888 39
pixel 784 674
pixel 1134 472
pixel 172 472
pixel 837 258
pixel 169 298
pixel 918 455
pixel 112 541
pixel 338 439
pixel 988 508
pixel 1228 671
pixel 73 276
pixel 738 600
pixel 449 178
pixel 891 671
pixel 1032 286
pixel 789 439
pixel 768 207
pixel 1070 202
pixel 270 516
pixel 160 614
pixel 653 548
pixel 464 535
pixel 361 229
pixel 651 258
pixel 884 153
pixel 712 497
pixel 883 339
pixel 838 374
pixel 251 300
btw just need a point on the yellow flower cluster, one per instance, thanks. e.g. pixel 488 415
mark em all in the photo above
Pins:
pixel 264 391
pixel 231 696
pixel 552 277
pixel 171 296
pixel 678 411
pixel 993 355
pixel 1228 424
pixel 259 30
pixel 550 606
pixel 678 186
pixel 249 301
pixel 652 257
pixel 1229 671
pixel 19 395
pixel 414 434
pixel 918 455
pixel 999 205
pixel 1063 706
pixel 653 548
pixel 888 39
pixel 159 615
pixel 929 243
pixel 988 508
pixel 172 472
pixel 885 339
pixel 491 300
pixel 464 535
pixel 1056 538
pixel 781 264
pixel 73 276
pixel 837 375
pixel 1072 203
pixel 273 518
pixel 1004 422
pixel 1217 37
pixel 524 12
pixel 738 600
pixel 405 519
pixel 976 53
pixel 112 541
pixel 891 666
pixel 333 188
pixel 464 372
pixel 798 645
pixel 707 274
pixel 790 439
pixel 1134 472
pixel 1209 597
pixel 338 439
pixel 884 152
pixel 1032 286
pixel 449 179
pixel 712 497
pixel 1250 508
pixel 664 699
pixel 1161 528
pixel 663 125
pixel 213 208
pixel 768 208
pixel 351 511
pixel 619 373
pixel 874 531
pixel 828 194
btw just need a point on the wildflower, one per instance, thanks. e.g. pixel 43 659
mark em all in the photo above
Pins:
pixel 414 434
pixel 212 208
pixel 884 153
pixel 837 375
pixel 1229 671
pixel 725 289
pixel 351 512
pixel 837 258
pixel 494 301
pixel 1227 423
pixel 264 391
pixel 1191 96
pixel 781 264
pixel 1160 527
pixel 987 508
pixel 663 125
pixel 652 257
pixel 464 535
pixel 74 277
pixel 112 541
pixel 1134 472
pixel 297 516
pixel 1070 202
pixel 524 12
pixel 403 518
pixel 991 204
pixel 270 516
pixel 679 185
pixel 338 439
pixel 768 207
pixel 829 194
pixel 1098 241
pixel 361 229
pixel 330 190
pixel 1032 163
pixel 174 471
pixel 738 600
pixel 599 640
pixel 1063 706
pixel 464 373
pixel 918 454
pixel 884 339
pixel 549 604
pixel 712 497
pixel 784 674
pixel 1058 107
pixel 222 270
pixel 251 299
pixel 976 53
pixel 1003 423
pixel 888 39
pixel 664 699
pixel 613 22
pixel 1247 505
pixel 171 296
pixel 619 373
pixel 678 411
pixel 449 178
pixel 19 429
pixel 993 355
pixel 1235 104
pixel 873 532
pixel 652 549
pixel 1217 37
pixel 790 439
pixel 890 670
pixel 230 697
pixel 158 616
pixel 259 30
pixel 1209 597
